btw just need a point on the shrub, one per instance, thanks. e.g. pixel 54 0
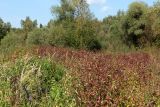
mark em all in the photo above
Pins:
pixel 37 37
pixel 94 45
pixel 80 34
pixel 56 35
pixel 114 43
pixel 84 36
pixel 4 28
pixel 47 36
pixel 11 42
pixel 35 82
pixel 157 41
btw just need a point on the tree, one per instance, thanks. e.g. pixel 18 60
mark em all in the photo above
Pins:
pixel 4 28
pixel 108 21
pixel 135 24
pixel 157 3
pixel 75 20
pixel 40 26
pixel 115 34
pixel 72 9
pixel 64 11
pixel 153 19
pixel 28 25
pixel 81 9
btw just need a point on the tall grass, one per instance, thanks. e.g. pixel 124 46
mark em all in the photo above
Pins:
pixel 33 82
pixel 37 78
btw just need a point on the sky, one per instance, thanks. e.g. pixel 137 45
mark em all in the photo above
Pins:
pixel 14 10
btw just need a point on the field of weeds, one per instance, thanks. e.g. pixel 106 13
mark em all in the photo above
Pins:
pixel 131 79
pixel 77 78
pixel 80 55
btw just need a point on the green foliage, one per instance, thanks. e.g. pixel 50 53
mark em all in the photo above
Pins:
pixel 81 9
pixel 153 21
pixel 85 35
pixel 157 3
pixel 115 41
pixel 56 35
pixel 37 37
pixel 41 82
pixel 53 36
pixel 80 34
pixel 135 24
pixel 11 42
pixel 4 28
pixel 157 41
pixel 35 82
pixel 28 25
pixel 71 9
pixel 156 27
pixel 63 12
pixel 73 26
pixel 76 27
pixel 156 32
pixel 94 45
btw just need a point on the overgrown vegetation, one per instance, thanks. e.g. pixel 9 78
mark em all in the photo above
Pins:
pixel 32 81
pixel 78 61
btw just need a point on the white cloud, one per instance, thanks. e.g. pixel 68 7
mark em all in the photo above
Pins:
pixel 100 4
pixel 105 8
pixel 96 2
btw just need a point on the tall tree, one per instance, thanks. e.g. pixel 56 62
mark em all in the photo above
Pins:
pixel 157 3
pixel 28 25
pixel 135 23
pixel 64 11
pixel 82 9
pixel 72 9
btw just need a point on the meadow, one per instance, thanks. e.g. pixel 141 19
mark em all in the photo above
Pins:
pixel 79 61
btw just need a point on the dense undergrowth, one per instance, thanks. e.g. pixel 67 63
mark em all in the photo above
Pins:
pixel 34 82
pixel 50 76
pixel 130 79
pixel 79 61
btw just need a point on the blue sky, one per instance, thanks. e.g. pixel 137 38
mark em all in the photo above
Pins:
pixel 15 10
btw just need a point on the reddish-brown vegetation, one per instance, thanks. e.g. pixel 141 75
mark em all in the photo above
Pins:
pixel 109 80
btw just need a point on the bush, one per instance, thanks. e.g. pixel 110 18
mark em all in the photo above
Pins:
pixel 37 37
pixel 157 41
pixel 83 36
pixel 114 43
pixel 94 45
pixel 80 34
pixel 10 42
pixel 35 82
pixel 4 28
pixel 56 35
pixel 53 36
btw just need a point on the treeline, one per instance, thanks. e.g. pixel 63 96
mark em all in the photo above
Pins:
pixel 76 27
